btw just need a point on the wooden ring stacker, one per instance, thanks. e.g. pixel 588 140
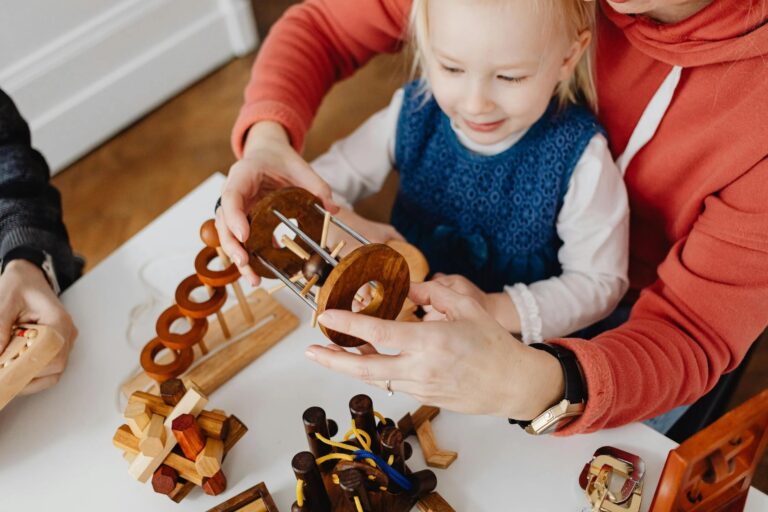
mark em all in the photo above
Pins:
pixel 163 372
pixel 182 341
pixel 370 263
pixel 193 309
pixel 294 203
pixel 214 278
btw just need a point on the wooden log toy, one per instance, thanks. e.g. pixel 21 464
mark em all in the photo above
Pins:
pixel 216 344
pixel 203 437
pixel 336 279
pixel 420 424
pixel 30 349
pixel 255 499
pixel 365 471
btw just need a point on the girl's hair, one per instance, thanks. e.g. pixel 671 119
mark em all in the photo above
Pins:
pixel 573 16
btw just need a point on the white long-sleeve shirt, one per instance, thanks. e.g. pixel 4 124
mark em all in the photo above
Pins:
pixel 593 223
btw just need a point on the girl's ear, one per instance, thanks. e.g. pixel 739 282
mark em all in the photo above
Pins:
pixel 574 54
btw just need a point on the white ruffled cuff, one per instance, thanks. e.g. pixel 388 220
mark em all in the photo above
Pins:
pixel 528 311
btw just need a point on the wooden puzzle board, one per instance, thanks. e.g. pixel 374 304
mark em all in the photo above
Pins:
pixel 63 437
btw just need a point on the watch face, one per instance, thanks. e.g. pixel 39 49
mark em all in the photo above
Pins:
pixel 555 417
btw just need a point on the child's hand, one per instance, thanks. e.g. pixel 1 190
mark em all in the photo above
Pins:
pixel 498 305
pixel 376 232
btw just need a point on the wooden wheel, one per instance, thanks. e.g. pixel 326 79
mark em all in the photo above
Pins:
pixel 375 263
pixel 294 203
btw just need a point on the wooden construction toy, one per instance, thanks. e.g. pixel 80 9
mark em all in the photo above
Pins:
pixel 216 344
pixel 420 424
pixel 366 471
pixel 181 446
pixel 255 499
pixel 31 348
pixel 713 469
pixel 305 263
pixel 613 480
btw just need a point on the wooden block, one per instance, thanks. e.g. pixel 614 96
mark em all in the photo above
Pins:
pixel 144 465
pixel 153 437
pixel 129 456
pixel 237 430
pixel 31 348
pixel 137 417
pixel 271 323
pixel 410 422
pixel 216 484
pixel 164 479
pixel 255 499
pixel 188 435
pixel 208 461
pixel 433 502
pixel 435 457
pixel 212 423
pixel 172 391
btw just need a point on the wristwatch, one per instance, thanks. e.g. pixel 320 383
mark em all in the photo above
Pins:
pixel 37 256
pixel 571 406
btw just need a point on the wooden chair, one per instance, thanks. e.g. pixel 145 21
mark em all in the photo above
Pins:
pixel 712 470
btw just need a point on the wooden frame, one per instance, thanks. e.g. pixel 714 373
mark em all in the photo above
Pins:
pixel 258 492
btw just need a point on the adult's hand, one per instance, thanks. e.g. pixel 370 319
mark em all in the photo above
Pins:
pixel 269 162
pixel 26 297
pixel 468 364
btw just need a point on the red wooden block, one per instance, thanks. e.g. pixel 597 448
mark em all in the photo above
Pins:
pixel 164 480
pixel 188 434
pixel 215 485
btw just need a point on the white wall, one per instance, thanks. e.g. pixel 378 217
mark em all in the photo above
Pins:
pixel 80 70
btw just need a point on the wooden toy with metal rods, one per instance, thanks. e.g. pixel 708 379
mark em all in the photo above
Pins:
pixel 366 472
pixel 601 477
pixel 31 348
pixel 307 257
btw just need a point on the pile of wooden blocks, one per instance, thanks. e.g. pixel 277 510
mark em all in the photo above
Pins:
pixel 171 439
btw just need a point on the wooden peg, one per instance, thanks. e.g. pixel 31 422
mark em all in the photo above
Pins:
pixel 153 438
pixel 188 435
pixel 137 417
pixel 433 502
pixel 296 277
pixel 171 391
pixel 324 235
pixel 295 248
pixel 338 248
pixel 164 479
pixel 208 461
pixel 309 285
pixel 216 484
pixel 219 316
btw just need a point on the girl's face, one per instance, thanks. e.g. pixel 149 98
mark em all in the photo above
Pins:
pixel 493 67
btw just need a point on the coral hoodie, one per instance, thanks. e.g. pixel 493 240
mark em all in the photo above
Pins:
pixel 697 189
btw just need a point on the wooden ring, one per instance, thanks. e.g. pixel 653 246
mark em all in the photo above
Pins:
pixel 294 203
pixel 373 262
pixel 214 278
pixel 192 309
pixel 163 372
pixel 179 341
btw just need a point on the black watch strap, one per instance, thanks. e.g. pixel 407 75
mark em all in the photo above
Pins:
pixel 575 387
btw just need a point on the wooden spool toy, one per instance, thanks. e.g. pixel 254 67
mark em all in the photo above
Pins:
pixel 304 263
pixel 171 440
pixel 366 471
pixel 216 343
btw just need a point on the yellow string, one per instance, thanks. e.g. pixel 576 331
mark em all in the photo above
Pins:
pixel 300 492
pixel 341 456
pixel 381 417
pixel 391 459
pixel 336 443
pixel 335 478
pixel 358 504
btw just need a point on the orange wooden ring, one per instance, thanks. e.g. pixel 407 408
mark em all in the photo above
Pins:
pixel 182 341
pixel 373 262
pixel 192 309
pixel 294 203
pixel 164 372
pixel 215 278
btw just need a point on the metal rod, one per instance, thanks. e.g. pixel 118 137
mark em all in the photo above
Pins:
pixel 351 232
pixel 287 282
pixel 319 250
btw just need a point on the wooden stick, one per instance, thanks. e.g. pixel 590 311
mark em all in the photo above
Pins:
pixel 309 285
pixel 294 247
pixel 201 343
pixel 220 316
pixel 281 285
pixel 324 236
pixel 236 286
pixel 338 248
pixel 314 318
pixel 435 457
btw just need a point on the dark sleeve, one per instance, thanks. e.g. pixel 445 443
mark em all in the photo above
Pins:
pixel 30 207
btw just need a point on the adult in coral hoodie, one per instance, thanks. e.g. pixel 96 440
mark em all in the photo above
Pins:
pixel 685 103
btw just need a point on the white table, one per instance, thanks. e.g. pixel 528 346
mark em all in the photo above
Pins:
pixel 56 450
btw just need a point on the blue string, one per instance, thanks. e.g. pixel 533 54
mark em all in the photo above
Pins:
pixel 391 472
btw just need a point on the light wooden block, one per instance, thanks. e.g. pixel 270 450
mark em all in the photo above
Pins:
pixel 153 437
pixel 208 461
pixel 435 457
pixel 137 416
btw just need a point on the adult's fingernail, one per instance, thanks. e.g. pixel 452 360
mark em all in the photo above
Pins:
pixel 238 260
pixel 325 318
pixel 310 354
pixel 239 235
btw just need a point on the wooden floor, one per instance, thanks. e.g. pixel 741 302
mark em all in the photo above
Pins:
pixel 111 193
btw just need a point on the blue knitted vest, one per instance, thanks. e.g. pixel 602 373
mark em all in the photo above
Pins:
pixel 493 218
